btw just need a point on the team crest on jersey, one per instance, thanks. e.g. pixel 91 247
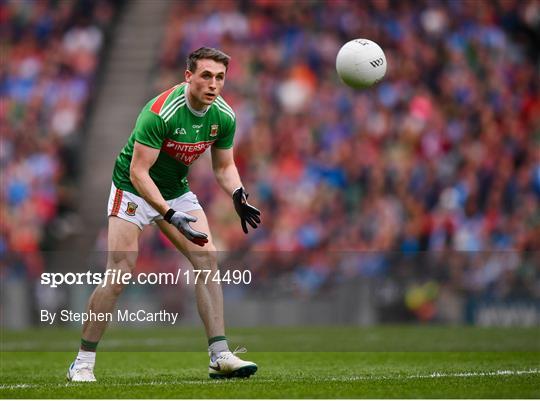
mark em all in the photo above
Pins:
pixel 131 208
pixel 214 129
pixel 180 131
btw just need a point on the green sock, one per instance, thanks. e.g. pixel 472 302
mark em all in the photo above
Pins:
pixel 88 345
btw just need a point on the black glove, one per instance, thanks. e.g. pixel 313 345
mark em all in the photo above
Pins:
pixel 181 221
pixel 245 210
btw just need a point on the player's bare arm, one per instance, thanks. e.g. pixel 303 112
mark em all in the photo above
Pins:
pixel 228 178
pixel 225 170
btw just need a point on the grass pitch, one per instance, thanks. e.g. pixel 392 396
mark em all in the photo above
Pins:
pixel 381 362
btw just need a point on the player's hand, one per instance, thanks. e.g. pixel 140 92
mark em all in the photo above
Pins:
pixel 246 212
pixel 181 221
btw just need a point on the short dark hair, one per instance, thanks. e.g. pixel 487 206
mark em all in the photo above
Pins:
pixel 207 53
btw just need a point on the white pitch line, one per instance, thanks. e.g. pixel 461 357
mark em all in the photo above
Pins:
pixel 16 386
pixel 437 375
pixel 434 375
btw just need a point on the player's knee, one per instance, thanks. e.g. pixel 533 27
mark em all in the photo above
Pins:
pixel 115 276
pixel 205 258
pixel 123 258
pixel 116 289
pixel 108 288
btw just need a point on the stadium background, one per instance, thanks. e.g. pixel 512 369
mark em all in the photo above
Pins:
pixel 416 200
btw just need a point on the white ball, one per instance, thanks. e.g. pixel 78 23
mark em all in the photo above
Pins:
pixel 361 63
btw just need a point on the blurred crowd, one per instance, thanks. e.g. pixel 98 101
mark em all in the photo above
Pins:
pixel 442 156
pixel 50 58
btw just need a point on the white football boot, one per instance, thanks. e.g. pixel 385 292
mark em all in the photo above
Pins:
pixel 227 365
pixel 83 372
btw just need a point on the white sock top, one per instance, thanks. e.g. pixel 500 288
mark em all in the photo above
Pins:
pixel 85 357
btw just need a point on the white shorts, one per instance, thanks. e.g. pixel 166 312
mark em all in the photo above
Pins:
pixel 136 210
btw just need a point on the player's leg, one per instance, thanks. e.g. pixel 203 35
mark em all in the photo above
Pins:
pixel 128 214
pixel 123 239
pixel 209 295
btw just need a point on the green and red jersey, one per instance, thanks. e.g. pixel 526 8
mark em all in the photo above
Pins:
pixel 182 134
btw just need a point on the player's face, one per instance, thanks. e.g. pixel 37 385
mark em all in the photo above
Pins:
pixel 205 83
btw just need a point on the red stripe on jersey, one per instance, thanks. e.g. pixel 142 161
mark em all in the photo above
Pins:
pixel 117 202
pixel 160 101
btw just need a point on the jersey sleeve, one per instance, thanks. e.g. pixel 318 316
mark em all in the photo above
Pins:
pixel 150 129
pixel 225 140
